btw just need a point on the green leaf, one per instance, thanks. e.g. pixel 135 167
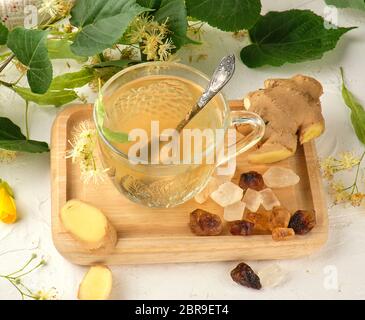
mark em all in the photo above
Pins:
pixel 30 48
pixel 11 138
pixel 175 12
pixel 59 92
pixel 73 79
pixel 101 23
pixel 354 4
pixel 114 136
pixel 115 63
pixel 357 111
pixel 56 98
pixel 290 36
pixel 152 4
pixel 100 111
pixel 4 32
pixel 119 137
pixel 227 15
pixel 60 49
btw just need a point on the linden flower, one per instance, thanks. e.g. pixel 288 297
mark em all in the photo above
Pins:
pixel 138 29
pixel 348 160
pixel 8 213
pixel 338 192
pixel 328 167
pixel 51 294
pixel 357 198
pixel 151 45
pixel 165 49
pixel 240 35
pixel 55 8
pixel 83 153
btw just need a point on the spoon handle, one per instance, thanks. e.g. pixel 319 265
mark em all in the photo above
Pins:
pixel 220 78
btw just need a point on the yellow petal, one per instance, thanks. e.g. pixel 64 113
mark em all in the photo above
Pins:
pixel 7 207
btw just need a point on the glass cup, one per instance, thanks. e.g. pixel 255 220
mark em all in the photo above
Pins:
pixel 151 92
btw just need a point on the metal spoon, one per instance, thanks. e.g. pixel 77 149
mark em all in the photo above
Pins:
pixel 220 78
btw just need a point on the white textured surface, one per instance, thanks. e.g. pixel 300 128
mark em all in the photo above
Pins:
pixel 305 278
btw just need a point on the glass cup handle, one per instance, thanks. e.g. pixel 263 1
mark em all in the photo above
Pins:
pixel 248 141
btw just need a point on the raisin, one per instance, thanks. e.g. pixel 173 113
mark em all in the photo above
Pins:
pixel 282 234
pixel 303 221
pixel 241 228
pixel 252 180
pixel 245 276
pixel 203 223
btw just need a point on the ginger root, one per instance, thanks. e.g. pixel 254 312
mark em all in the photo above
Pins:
pixel 291 109
pixel 96 284
pixel 88 225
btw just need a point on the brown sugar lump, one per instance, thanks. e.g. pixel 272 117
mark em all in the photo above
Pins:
pixel 282 234
pixel 203 223
pixel 252 180
pixel 303 221
pixel 245 276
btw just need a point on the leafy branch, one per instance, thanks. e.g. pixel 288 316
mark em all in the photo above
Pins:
pixel 146 30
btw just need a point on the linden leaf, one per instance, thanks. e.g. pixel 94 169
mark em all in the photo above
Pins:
pixel 60 49
pixel 174 12
pixel 227 15
pixel 354 4
pixel 73 80
pixel 29 46
pixel 357 111
pixel 11 138
pixel 102 23
pixel 4 32
pixel 290 36
pixel 56 98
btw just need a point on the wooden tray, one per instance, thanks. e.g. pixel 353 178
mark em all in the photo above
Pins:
pixel 162 235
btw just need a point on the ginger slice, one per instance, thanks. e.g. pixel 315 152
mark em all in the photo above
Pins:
pixel 88 225
pixel 96 284
pixel 291 109
pixel 270 153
